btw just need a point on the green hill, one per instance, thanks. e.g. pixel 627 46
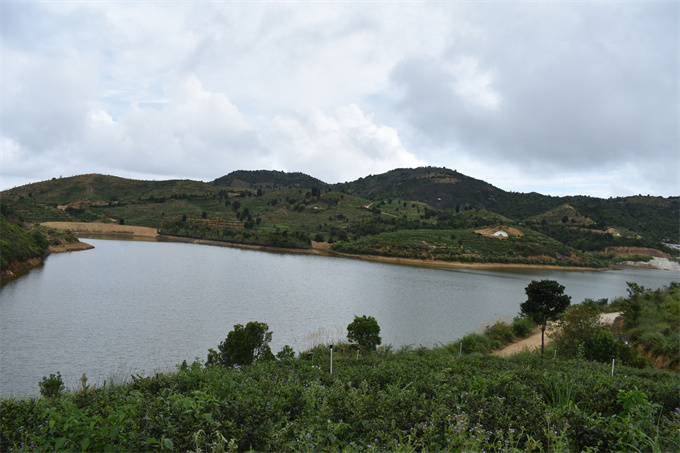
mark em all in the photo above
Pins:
pixel 371 215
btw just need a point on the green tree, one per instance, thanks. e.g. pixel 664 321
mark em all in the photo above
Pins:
pixel 545 301
pixel 579 323
pixel 364 331
pixel 244 345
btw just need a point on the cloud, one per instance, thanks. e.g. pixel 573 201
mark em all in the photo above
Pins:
pixel 506 92
pixel 339 148
pixel 553 99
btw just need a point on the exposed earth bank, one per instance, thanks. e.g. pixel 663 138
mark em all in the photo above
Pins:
pixel 18 268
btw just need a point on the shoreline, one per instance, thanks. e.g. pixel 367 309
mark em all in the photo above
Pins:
pixel 318 248
pixel 19 268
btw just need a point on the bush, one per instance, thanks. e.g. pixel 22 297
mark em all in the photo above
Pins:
pixel 475 342
pixel 286 353
pixel 51 387
pixel 244 345
pixel 654 342
pixel 501 332
pixel 601 347
pixel 580 323
pixel 364 331
pixel 522 326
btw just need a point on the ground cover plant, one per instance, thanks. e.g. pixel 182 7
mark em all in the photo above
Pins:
pixel 652 322
pixel 408 400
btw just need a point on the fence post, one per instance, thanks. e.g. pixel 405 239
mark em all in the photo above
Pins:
pixel 331 359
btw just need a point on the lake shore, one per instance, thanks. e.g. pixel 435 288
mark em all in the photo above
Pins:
pixel 318 248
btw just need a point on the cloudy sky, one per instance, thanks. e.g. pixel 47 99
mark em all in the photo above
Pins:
pixel 561 98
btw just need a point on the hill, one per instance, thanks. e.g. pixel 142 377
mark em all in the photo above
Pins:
pixel 424 213
pixel 267 179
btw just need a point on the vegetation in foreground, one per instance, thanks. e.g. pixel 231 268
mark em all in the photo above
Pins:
pixel 446 398
pixel 409 400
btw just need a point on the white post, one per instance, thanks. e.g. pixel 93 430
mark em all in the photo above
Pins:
pixel 331 359
pixel 613 360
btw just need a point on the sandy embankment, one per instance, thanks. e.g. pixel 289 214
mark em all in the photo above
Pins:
pixel 533 342
pixel 103 229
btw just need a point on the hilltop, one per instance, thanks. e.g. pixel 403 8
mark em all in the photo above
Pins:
pixel 430 214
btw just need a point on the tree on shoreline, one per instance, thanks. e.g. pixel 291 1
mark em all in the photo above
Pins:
pixel 364 331
pixel 545 301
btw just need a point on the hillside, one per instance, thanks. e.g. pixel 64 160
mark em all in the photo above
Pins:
pixel 440 188
pixel 424 213
pixel 267 179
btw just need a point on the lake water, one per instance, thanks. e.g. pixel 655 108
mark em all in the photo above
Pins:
pixel 130 307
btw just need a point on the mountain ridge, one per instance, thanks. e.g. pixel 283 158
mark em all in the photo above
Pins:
pixel 371 215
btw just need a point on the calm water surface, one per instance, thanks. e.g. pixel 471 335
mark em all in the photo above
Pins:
pixel 129 307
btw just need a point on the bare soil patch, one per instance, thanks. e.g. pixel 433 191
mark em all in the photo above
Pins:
pixel 74 247
pixel 103 228
pixel 489 232
pixel 637 251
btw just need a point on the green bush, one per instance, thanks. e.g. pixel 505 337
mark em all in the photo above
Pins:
pixel 364 331
pixel 244 345
pixel 654 342
pixel 51 387
pixel 500 333
pixel 522 326
pixel 476 342
pixel 601 347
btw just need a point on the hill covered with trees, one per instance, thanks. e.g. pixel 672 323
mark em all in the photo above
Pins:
pixel 424 213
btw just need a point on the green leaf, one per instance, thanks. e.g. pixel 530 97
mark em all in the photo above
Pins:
pixel 167 443
pixel 59 443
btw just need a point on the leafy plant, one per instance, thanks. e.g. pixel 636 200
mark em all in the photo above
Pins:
pixel 51 387
pixel 364 331
pixel 244 345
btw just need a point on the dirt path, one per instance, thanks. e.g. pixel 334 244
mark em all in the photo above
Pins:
pixel 533 342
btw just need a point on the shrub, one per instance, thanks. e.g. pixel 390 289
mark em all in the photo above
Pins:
pixel 51 387
pixel 286 353
pixel 522 326
pixel 654 342
pixel 579 323
pixel 475 342
pixel 601 347
pixel 501 332
pixel 244 345
pixel 364 331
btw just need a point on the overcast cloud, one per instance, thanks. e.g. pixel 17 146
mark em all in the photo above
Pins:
pixel 559 98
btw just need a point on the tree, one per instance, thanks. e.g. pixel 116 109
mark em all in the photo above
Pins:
pixel 364 331
pixel 244 345
pixel 545 300
pixel 579 324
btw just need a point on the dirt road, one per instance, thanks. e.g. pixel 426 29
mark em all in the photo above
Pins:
pixel 533 342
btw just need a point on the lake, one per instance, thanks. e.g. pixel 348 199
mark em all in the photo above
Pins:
pixel 131 307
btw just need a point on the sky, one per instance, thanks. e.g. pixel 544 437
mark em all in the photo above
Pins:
pixel 560 98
